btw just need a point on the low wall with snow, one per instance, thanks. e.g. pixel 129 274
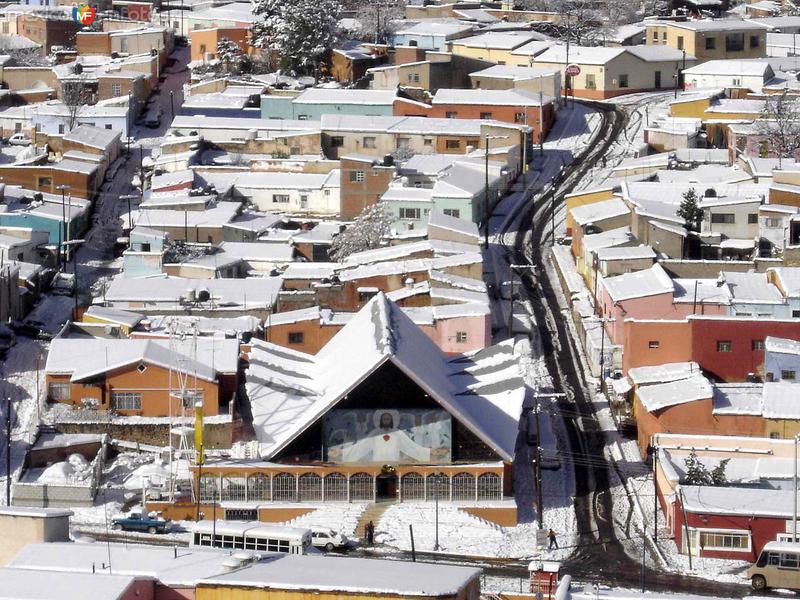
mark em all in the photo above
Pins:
pixel 41 495
pixel 215 435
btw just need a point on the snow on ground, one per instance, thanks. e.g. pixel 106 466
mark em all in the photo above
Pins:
pixel 341 517
pixel 459 532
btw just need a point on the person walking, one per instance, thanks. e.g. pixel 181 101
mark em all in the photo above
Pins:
pixel 369 530
pixel 551 535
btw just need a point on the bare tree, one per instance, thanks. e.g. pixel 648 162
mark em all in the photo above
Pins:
pixel 25 57
pixel 376 19
pixel 365 233
pixel 75 95
pixel 780 125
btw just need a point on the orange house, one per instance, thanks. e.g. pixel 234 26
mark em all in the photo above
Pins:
pixel 203 42
pixel 144 377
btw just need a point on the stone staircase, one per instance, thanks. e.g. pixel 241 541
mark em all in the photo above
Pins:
pixel 373 513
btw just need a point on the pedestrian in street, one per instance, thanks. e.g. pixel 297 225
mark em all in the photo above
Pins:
pixel 369 530
pixel 551 535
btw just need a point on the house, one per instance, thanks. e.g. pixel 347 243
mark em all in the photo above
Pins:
pixel 430 34
pixel 518 106
pixel 149 378
pixel 364 180
pixel 495 46
pixel 93 140
pixel 203 43
pixel 379 136
pixel 199 226
pixel 30 585
pixel 708 39
pixel 352 59
pixel 503 77
pixel 82 177
pixel 304 193
pixel 53 117
pixel 312 103
pixel 49 29
pixel 145 252
pixel 608 72
pixel 743 74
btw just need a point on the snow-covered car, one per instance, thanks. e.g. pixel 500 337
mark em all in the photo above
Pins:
pixel 19 139
pixel 322 537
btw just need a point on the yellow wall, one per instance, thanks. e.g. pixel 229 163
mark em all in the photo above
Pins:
pixel 495 55
pixel 695 45
pixel 588 197
pixel 693 109
pixel 210 592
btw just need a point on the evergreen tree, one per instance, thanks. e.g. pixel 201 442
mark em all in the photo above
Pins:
pixel 696 472
pixel 229 53
pixel 718 476
pixel 689 210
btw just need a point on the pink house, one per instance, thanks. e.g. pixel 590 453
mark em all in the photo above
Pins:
pixel 651 294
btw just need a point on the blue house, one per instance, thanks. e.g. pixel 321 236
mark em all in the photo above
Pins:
pixel 145 254
pixel 431 34
pixel 60 222
pixel 311 104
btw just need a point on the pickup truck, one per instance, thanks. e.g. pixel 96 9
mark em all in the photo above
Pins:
pixel 136 522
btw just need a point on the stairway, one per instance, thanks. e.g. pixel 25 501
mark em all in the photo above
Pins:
pixel 373 513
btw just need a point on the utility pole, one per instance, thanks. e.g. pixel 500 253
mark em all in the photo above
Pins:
pixel 172 105
pixel 486 215
pixel 644 552
pixel 8 451
pixel 62 231
pixel 538 466
pixel 141 172
pixel 655 494
pixel 437 480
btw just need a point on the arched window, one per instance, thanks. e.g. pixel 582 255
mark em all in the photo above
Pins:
pixel 489 487
pixel 283 487
pixel 258 487
pixel 310 487
pixel 234 488
pixel 412 487
pixel 440 483
pixel 362 487
pixel 464 486
pixel 335 487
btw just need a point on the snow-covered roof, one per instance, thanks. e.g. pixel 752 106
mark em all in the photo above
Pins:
pixel 409 266
pixel 291 390
pixel 639 284
pixel 203 357
pixel 737 399
pixel 486 97
pixel 399 251
pixel 309 270
pixel 500 40
pixel 438 219
pixel 21 584
pixel 467 283
pixel 788 280
pixel 727 500
pixel 700 291
pixel 626 253
pixel 663 373
pixel 351 576
pixel 781 345
pixel 681 391
pixel 438 27
pixel 620 236
pixel 719 25
pixel 114 315
pixel 595 211
pixel 751 288
pixel 345 96
pixel 513 73
pixel 780 400
pixel 756 68
pixel 418 125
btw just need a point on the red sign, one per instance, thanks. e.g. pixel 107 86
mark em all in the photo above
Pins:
pixel 573 70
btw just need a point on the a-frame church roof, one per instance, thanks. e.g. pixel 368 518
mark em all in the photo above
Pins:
pixel 289 390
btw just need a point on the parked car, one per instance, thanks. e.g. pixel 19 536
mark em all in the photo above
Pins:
pixel 322 537
pixel 153 118
pixel 19 139
pixel 137 522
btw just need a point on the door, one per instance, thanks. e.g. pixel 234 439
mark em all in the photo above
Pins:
pixel 386 487
pixel 658 80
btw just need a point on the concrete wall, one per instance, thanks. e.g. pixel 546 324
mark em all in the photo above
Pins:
pixel 18 531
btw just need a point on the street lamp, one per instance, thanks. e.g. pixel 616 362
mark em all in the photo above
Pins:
pixel 487 212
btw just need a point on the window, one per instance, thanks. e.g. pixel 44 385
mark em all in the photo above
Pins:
pixel 409 213
pixel 774 435
pixel 655 36
pixel 726 218
pixel 773 222
pixel 108 126
pixel 296 337
pixel 45 182
pixel 711 43
pixel 368 142
pixel 519 117
pixel 451 114
pixel 309 487
pixel 734 42
pixel 337 141
pixel 335 487
pixel 752 219
pixel 463 486
pixel 427 141
pixel 452 212
pixel 486 115
pixel 282 198
pixel 258 487
pixel 788 374
pixel 126 400
pixel 412 487
pixel 796 314
pixel 61 128
pixel 241 514
pixel 489 487
pixel 724 346
pixel 413 77
pixel 116 89
pixel 664 36
pixel 653 344
pixel 60 392
pixel 461 337
pixel 680 42
pixel 623 80
pixel 303 200
pixel 234 488
pixel 591 84
pixel 718 540
pixel 755 41
pixel 757 345
pixel 357 176
pixel 452 144
pixel 403 142
pixel 362 487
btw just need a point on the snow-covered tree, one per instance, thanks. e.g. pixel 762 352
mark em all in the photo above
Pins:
pixel 696 472
pixel 780 125
pixel 229 54
pixel 301 32
pixel 365 233
pixel 690 211
pixel 75 94
pixel 718 475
